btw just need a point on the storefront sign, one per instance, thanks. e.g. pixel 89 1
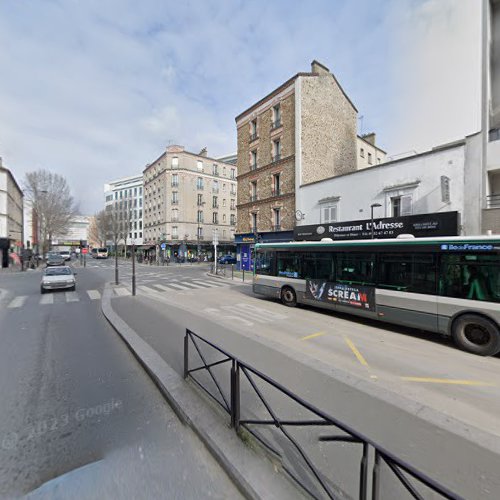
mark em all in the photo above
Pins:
pixel 360 297
pixel 422 225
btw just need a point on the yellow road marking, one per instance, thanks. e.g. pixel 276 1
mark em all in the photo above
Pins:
pixel 430 380
pixel 354 349
pixel 314 335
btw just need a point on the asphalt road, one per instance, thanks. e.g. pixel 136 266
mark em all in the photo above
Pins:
pixel 78 415
pixel 356 370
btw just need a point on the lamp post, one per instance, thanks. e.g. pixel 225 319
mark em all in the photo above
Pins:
pixel 133 267
pixel 372 206
pixel 198 230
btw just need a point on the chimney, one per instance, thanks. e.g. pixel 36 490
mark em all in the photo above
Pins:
pixel 317 67
pixel 369 138
pixel 203 152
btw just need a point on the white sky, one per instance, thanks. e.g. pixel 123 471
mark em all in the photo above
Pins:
pixel 94 90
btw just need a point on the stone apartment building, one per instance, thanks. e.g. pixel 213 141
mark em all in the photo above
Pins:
pixel 302 132
pixel 187 197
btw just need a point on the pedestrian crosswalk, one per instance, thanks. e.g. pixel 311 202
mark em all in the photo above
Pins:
pixel 20 301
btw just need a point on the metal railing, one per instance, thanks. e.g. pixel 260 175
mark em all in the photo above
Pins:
pixel 277 157
pixel 276 192
pixel 253 137
pixel 493 201
pixel 374 458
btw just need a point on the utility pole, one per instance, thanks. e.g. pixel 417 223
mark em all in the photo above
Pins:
pixel 133 267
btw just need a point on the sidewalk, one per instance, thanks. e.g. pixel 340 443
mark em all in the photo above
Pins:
pixel 254 475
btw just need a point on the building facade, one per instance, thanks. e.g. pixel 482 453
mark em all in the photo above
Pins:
pixel 11 215
pixel 77 232
pixel 125 197
pixel 188 197
pixel 368 154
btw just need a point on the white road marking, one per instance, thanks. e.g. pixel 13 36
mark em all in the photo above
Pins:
pixel 261 311
pixel 94 294
pixel 146 289
pixel 205 284
pixel 179 286
pixel 47 299
pixel 166 288
pixel 72 297
pixel 190 284
pixel 212 310
pixel 122 292
pixel 17 301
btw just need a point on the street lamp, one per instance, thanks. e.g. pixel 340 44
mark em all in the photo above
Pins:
pixel 198 230
pixel 372 206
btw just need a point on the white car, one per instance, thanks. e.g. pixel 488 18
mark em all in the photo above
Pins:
pixel 65 254
pixel 57 278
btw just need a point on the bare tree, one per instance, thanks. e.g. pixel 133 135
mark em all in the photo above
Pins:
pixel 52 203
pixel 99 228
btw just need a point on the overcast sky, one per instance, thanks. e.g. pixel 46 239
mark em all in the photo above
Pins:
pixel 96 89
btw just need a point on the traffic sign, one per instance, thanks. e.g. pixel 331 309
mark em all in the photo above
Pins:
pixel 85 250
pixel 163 246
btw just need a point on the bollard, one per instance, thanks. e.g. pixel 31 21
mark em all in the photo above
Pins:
pixel 232 271
pixel 243 274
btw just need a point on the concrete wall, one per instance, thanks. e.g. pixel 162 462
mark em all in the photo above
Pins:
pixel 473 196
pixel 328 129
pixel 363 151
pixel 495 66
pixel 419 176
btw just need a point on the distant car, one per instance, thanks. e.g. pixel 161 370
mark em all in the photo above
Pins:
pixel 57 278
pixel 65 254
pixel 227 259
pixel 55 259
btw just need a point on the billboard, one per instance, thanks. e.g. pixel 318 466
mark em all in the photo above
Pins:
pixel 422 225
pixel 359 297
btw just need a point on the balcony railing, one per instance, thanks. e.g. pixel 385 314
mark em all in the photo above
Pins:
pixel 277 157
pixel 253 166
pixel 276 192
pixel 276 124
pixel 253 197
pixel 175 184
pixel 215 190
pixel 199 186
pixel 175 202
pixel 215 205
pixel 201 203
pixel 493 201
pixel 277 227
pixel 253 137
pixel 232 207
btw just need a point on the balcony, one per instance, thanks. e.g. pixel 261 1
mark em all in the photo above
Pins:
pixel 215 205
pixel 276 192
pixel 277 227
pixel 253 137
pixel 276 124
pixel 232 207
pixel 175 202
pixel 253 166
pixel 277 157
pixel 493 201
pixel 175 184
pixel 253 197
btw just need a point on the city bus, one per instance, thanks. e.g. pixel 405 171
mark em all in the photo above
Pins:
pixel 446 285
pixel 99 253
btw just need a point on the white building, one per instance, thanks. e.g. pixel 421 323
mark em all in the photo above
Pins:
pixel 11 215
pixel 77 231
pixel 430 182
pixel 126 196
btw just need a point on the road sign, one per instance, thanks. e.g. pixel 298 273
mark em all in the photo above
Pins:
pixel 163 246
pixel 85 250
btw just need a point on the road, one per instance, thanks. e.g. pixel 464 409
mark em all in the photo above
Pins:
pixel 78 415
pixel 400 376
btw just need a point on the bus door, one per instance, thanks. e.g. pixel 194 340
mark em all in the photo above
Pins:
pixel 407 289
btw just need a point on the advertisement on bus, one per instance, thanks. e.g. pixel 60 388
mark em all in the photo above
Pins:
pixel 360 297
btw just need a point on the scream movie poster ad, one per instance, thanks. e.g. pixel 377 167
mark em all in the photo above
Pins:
pixel 360 297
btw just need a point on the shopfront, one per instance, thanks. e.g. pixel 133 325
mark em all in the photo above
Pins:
pixel 245 244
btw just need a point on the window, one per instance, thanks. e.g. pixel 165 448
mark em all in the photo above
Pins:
pixel 408 272
pixel 175 215
pixel 233 173
pixel 254 222
pixel 200 200
pixel 215 169
pixel 370 161
pixel 116 195
pixel 265 263
pixel 253 129
pixel 140 234
pixel 215 187
pixel 215 218
pixel 329 213
pixel 288 264
pixel 224 187
pixel 232 219
pixel 253 160
pixel 200 216
pixel 361 152
pixel 140 191
pixel 277 219
pixel 474 277
pixel 224 202
pixel 378 160
pixel 224 233
pixel 140 224
pixel 276 150
pixel 276 116
pixel 175 197
pixel 401 205
pixel 199 163
pixel 224 218
pixel 175 234
pixel 135 191
pixel 253 191
pixel 175 162
pixel 356 268
pixel 175 180
pixel 200 233
pixel 232 207
pixel 445 189
pixel 199 183
pixel 215 203
pixel 276 185
pixel 224 171
pixel 233 189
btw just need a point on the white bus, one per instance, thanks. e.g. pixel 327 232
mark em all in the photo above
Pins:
pixel 446 285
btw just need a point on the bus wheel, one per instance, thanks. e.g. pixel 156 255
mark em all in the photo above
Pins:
pixel 476 334
pixel 288 297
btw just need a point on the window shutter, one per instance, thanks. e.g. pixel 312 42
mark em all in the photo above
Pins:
pixel 406 205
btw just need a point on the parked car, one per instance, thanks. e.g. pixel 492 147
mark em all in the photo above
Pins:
pixel 227 259
pixel 57 278
pixel 55 259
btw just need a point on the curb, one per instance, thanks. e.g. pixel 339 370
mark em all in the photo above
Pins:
pixel 250 473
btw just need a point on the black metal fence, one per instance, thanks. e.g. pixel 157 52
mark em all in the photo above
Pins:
pixel 372 461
